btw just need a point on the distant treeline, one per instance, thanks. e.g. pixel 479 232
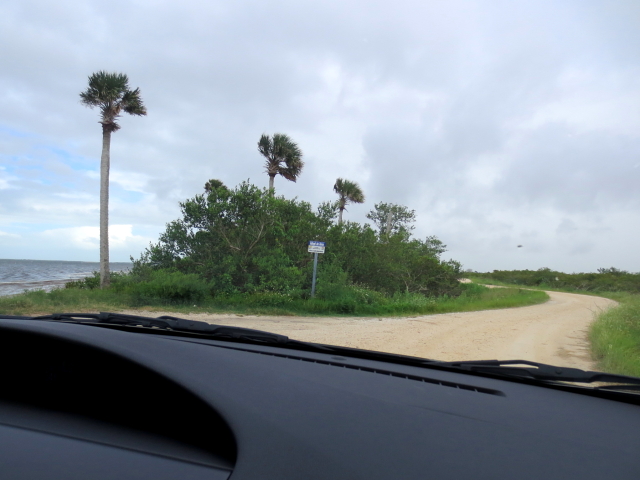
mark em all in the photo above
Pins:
pixel 605 280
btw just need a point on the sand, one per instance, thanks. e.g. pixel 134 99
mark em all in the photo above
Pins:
pixel 554 332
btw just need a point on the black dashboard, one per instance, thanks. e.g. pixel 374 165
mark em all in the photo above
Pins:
pixel 80 401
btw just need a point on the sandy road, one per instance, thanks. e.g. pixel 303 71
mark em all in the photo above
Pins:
pixel 554 332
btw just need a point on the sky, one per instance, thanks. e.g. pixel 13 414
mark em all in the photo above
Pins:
pixel 500 122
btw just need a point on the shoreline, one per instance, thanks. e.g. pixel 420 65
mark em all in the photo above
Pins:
pixel 16 288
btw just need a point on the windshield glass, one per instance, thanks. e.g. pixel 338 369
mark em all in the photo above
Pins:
pixel 448 180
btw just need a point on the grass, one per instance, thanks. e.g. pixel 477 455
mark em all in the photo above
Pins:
pixel 61 300
pixel 361 303
pixel 615 337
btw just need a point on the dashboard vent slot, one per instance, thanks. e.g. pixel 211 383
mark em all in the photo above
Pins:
pixel 417 378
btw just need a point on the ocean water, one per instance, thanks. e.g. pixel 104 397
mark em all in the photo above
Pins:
pixel 16 276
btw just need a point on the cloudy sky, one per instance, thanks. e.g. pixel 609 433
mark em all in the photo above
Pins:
pixel 502 123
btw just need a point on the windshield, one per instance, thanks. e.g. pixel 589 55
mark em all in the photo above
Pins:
pixel 448 180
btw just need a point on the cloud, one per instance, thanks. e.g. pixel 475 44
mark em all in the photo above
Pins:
pixel 497 122
pixel 88 238
pixel 131 181
pixel 6 180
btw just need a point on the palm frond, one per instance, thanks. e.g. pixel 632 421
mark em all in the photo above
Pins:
pixel 132 103
pixel 283 156
pixel 265 146
pixel 104 88
pixel 290 172
pixel 110 92
pixel 349 192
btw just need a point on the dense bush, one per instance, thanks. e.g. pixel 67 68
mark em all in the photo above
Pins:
pixel 165 285
pixel 93 282
pixel 247 240
pixel 174 287
pixel 606 280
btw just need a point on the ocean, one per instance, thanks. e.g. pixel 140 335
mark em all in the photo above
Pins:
pixel 16 276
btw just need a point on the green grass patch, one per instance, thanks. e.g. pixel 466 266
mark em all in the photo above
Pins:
pixel 615 337
pixel 184 295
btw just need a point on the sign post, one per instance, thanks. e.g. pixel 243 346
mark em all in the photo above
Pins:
pixel 315 248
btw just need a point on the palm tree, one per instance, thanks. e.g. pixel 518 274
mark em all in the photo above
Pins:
pixel 283 155
pixel 349 192
pixel 110 92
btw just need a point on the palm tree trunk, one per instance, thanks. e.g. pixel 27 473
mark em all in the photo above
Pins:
pixel 340 216
pixel 271 178
pixel 104 208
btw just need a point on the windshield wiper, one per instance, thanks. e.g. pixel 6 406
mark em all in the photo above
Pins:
pixel 533 371
pixel 544 372
pixel 166 323
pixel 180 325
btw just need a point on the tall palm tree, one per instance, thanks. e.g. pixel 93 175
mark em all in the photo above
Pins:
pixel 111 93
pixel 349 192
pixel 283 155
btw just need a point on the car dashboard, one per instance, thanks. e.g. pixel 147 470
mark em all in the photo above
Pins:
pixel 81 401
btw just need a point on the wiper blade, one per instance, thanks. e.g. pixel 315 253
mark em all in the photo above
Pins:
pixel 545 372
pixel 167 323
pixel 507 368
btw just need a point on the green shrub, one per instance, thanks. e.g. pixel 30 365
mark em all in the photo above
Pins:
pixel 87 283
pixel 93 282
pixel 247 240
pixel 173 287
pixel 606 280
pixel 344 306
pixel 268 299
pixel 367 296
pixel 472 290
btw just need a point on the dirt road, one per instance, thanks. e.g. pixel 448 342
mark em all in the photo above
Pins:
pixel 554 332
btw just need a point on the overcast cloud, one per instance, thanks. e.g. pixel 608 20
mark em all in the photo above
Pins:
pixel 501 123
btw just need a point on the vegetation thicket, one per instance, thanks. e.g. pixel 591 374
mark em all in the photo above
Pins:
pixel 184 293
pixel 109 92
pixel 245 249
pixel 605 280
pixel 248 240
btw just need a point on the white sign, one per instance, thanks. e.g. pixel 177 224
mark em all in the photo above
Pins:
pixel 316 247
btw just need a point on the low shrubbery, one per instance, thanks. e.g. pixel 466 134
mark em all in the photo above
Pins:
pixel 605 280
pixel 157 285
pixel 247 240
pixel 172 287
pixel 186 295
